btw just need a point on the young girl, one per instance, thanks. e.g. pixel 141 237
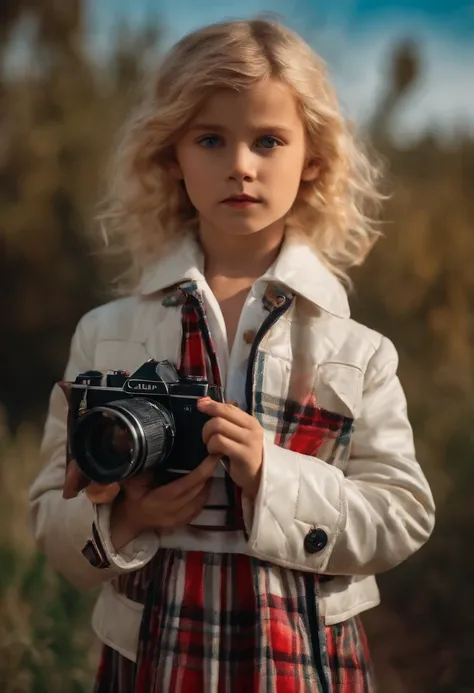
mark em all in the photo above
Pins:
pixel 242 197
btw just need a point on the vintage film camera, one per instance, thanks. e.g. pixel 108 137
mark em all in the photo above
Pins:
pixel 121 424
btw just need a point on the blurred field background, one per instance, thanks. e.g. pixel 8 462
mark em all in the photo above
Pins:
pixel 57 117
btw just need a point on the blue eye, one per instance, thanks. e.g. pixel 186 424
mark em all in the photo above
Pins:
pixel 210 141
pixel 268 142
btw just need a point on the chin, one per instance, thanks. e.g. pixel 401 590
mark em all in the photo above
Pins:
pixel 243 231
pixel 246 227
pixel 239 225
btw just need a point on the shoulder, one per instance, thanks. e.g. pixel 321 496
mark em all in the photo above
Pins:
pixel 347 341
pixel 116 335
pixel 360 361
pixel 378 351
pixel 375 341
pixel 109 311
pixel 113 320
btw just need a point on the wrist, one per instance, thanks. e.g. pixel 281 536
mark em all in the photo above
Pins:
pixel 251 489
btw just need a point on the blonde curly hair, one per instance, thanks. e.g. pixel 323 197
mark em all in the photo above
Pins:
pixel 146 208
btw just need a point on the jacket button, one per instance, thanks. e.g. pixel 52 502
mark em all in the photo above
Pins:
pixel 249 336
pixel 315 540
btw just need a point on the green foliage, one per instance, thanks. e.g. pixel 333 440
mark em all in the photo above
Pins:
pixel 417 287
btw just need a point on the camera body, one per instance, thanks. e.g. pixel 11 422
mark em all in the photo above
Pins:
pixel 121 424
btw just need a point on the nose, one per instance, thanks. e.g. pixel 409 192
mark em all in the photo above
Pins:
pixel 242 164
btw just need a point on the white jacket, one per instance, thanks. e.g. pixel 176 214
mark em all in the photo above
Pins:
pixel 360 507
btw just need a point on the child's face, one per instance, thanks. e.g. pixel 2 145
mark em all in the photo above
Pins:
pixel 250 143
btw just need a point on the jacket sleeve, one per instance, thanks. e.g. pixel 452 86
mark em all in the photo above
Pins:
pixel 63 527
pixel 309 516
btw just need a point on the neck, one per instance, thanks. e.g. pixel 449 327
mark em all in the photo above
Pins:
pixel 239 257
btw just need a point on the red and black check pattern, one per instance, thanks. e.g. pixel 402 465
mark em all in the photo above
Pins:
pixel 227 623
pixel 349 657
pixel 306 428
pixel 198 358
pixel 197 353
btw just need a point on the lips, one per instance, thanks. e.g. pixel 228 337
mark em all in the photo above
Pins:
pixel 241 198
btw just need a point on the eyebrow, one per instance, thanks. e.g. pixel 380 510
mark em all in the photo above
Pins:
pixel 207 126
pixel 210 127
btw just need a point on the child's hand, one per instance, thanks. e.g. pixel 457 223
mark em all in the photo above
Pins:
pixel 139 507
pixel 239 436
pixel 76 481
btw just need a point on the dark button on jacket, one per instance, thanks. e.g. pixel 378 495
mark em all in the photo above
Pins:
pixel 315 540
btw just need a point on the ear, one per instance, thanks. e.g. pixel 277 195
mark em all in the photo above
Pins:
pixel 310 171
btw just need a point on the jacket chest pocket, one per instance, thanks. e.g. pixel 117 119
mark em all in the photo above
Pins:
pixel 321 422
pixel 312 430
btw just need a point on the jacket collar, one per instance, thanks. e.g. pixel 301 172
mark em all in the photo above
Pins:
pixel 297 267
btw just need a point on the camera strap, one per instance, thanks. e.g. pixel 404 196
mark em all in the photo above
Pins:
pixel 198 358
pixel 197 354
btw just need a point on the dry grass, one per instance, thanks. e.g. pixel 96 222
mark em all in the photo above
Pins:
pixel 46 645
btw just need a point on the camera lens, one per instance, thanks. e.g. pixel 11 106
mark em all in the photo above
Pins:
pixel 114 441
pixel 111 440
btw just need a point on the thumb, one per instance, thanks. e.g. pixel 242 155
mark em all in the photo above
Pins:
pixel 102 493
pixel 74 481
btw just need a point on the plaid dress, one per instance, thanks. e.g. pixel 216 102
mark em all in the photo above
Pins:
pixel 227 623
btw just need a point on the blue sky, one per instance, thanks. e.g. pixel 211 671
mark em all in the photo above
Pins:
pixel 355 37
pixel 452 16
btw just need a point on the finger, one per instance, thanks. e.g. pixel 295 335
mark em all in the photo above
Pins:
pixel 220 445
pixel 193 509
pixel 139 482
pixel 102 493
pixel 193 495
pixel 221 426
pixel 198 476
pixel 75 480
pixel 227 411
pixel 178 517
pixel 161 497
pixel 195 504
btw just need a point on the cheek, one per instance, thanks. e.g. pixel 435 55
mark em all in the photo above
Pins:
pixel 185 160
pixel 196 169
pixel 286 168
pixel 189 167
pixel 197 181
pixel 285 179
